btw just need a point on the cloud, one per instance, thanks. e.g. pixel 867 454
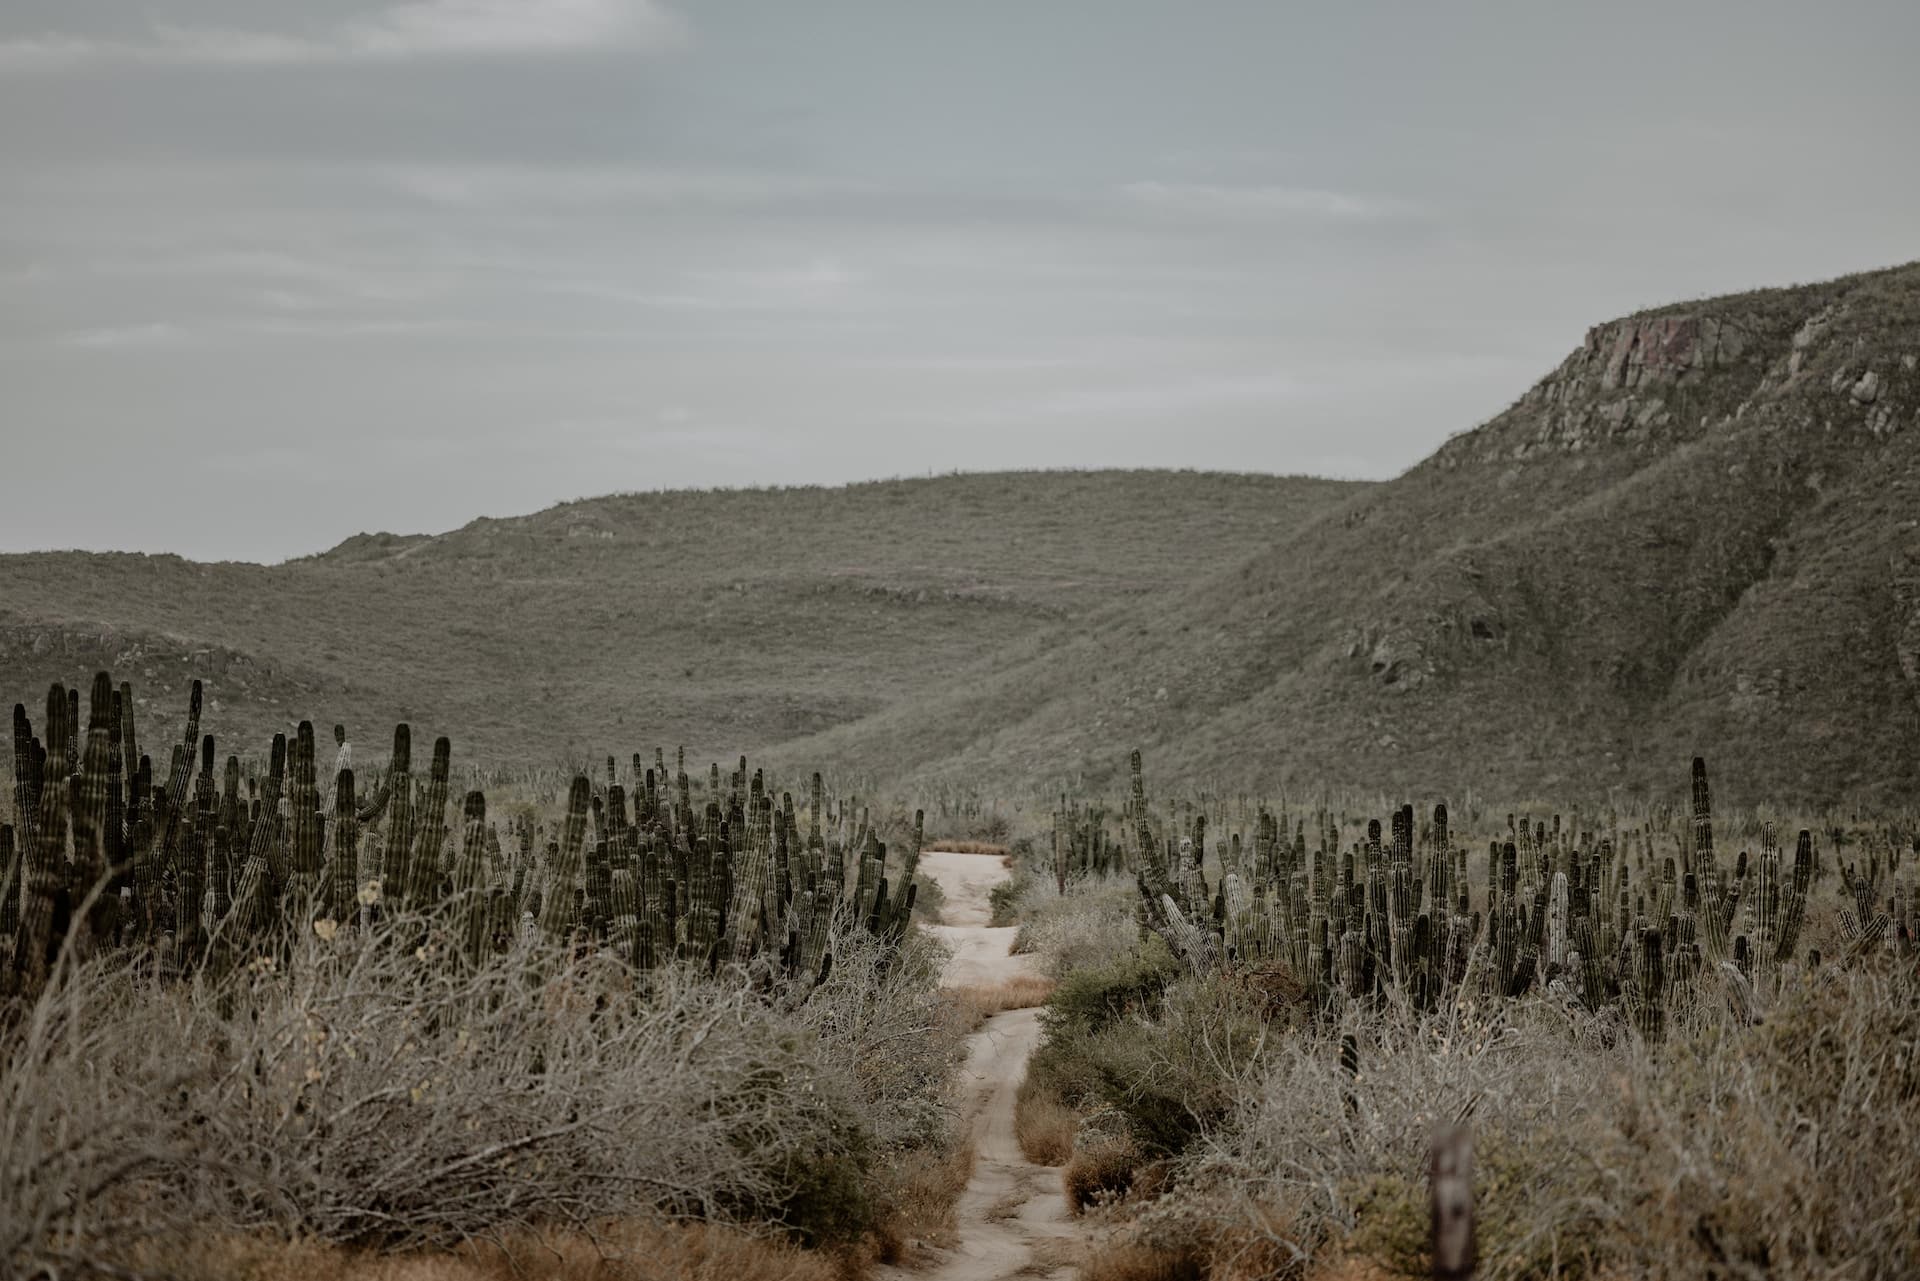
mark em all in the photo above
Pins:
pixel 571 186
pixel 1259 203
pixel 123 337
pixel 494 27
pixel 417 29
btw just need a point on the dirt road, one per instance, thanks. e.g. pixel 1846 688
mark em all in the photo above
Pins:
pixel 1013 1219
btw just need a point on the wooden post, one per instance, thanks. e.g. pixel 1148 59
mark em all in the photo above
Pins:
pixel 1450 1185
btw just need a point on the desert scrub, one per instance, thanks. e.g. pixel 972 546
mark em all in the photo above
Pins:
pixel 1003 900
pixel 1156 1056
pixel 1344 1151
pixel 1090 925
pixel 354 1089
pixel 929 900
pixel 1727 1150
pixel 1784 1148
pixel 1061 1076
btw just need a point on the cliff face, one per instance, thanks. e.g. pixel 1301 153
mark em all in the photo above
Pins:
pixel 1658 379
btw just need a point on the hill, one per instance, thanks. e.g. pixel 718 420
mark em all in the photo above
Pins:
pixel 1697 534
pixel 726 620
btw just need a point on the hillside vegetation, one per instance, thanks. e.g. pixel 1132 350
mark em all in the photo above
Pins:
pixel 1698 533
pixel 722 620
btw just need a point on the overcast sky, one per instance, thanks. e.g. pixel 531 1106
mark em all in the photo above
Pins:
pixel 276 271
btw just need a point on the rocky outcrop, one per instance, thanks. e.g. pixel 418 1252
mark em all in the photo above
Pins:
pixel 1649 382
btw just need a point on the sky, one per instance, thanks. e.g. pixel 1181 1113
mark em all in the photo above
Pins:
pixel 274 272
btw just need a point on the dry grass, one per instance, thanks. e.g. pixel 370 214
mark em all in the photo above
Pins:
pixel 924 1186
pixel 1137 1261
pixel 628 1252
pixel 351 1091
pixel 979 1002
pixel 1043 1124
pixel 1730 1150
pixel 969 847
pixel 1099 1172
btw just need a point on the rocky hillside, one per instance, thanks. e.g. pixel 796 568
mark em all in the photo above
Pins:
pixel 1698 534
pixel 724 620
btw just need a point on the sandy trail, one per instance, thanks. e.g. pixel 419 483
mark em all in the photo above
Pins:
pixel 1013 1219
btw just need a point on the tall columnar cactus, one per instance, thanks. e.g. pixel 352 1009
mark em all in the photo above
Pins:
pixel 557 915
pixel 423 878
pixel 305 824
pixel 473 916
pixel 341 872
pixel 256 898
pixel 397 845
pixel 9 891
pixel 91 872
pixel 44 882
pixel 1650 987
pixel 1702 818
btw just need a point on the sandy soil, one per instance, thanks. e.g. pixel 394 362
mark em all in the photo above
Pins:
pixel 1013 1219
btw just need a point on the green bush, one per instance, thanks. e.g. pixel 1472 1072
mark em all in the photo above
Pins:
pixel 1092 999
pixel 1164 1055
pixel 1004 898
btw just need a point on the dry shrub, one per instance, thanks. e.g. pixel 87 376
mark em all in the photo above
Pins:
pixel 1089 926
pixel 1099 1172
pixel 1138 1261
pixel 979 1002
pixel 1277 991
pixel 921 1189
pixel 1726 1151
pixel 1786 1149
pixel 370 1090
pixel 79 1126
pixel 1043 1123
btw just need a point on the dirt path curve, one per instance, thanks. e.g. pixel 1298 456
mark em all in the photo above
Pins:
pixel 1013 1219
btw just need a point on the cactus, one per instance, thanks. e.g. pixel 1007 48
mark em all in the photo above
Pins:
pixel 396 798
pixel 422 883
pixel 43 887
pixel 472 914
pixel 306 827
pixel 341 873
pixel 557 918
pixel 91 870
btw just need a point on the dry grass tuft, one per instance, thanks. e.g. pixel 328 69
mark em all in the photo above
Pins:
pixel 968 847
pixel 1043 1124
pixel 1099 1173
pixel 919 1203
pixel 980 1002
pixel 1136 1261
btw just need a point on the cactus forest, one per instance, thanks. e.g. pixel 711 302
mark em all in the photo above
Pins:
pixel 205 862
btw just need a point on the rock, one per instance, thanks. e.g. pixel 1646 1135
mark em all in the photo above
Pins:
pixel 1867 389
